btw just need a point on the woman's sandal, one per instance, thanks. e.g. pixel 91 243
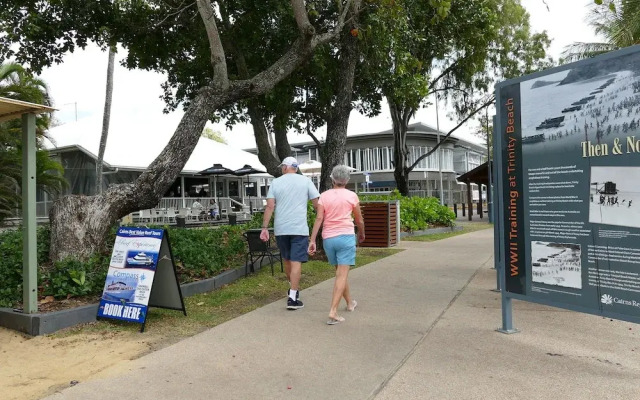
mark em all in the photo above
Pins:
pixel 355 304
pixel 334 321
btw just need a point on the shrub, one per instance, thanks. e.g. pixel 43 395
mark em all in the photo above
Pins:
pixel 205 252
pixel 71 277
pixel 417 213
pixel 10 267
pixel 199 253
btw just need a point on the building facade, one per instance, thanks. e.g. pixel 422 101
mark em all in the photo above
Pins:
pixel 371 155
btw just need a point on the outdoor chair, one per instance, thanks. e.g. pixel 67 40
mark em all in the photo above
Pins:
pixel 147 216
pixel 170 215
pixel 258 250
pixel 185 213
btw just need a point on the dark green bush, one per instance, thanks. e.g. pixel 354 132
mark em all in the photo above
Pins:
pixel 71 277
pixel 205 252
pixel 199 253
pixel 10 267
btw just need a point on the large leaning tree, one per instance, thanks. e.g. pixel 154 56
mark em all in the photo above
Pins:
pixel 457 52
pixel 158 35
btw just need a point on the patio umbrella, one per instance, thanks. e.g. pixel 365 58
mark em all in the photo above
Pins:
pixel 310 167
pixel 216 169
pixel 247 170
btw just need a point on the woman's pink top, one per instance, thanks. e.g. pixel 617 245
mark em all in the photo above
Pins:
pixel 338 205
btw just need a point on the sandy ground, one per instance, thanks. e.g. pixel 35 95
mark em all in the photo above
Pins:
pixel 26 374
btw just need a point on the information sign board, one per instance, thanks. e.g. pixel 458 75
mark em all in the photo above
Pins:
pixel 141 274
pixel 568 176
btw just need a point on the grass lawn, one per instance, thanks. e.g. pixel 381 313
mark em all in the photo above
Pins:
pixel 466 228
pixel 242 296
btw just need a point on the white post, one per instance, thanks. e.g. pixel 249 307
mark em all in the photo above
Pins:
pixel 184 204
pixel 439 152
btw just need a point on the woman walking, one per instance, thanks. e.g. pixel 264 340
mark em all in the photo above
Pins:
pixel 335 208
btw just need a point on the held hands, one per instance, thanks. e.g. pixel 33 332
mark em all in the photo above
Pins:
pixel 312 247
pixel 264 235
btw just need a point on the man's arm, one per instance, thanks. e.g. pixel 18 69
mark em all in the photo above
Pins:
pixel 268 212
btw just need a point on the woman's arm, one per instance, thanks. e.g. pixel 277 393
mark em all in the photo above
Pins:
pixel 316 228
pixel 359 222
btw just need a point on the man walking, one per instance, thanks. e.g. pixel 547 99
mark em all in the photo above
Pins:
pixel 288 196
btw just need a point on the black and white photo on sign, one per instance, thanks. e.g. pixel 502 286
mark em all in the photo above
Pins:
pixel 557 264
pixel 592 103
pixel 614 196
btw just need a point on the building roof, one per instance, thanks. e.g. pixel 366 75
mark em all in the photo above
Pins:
pixel 415 129
pixel 478 175
pixel 135 144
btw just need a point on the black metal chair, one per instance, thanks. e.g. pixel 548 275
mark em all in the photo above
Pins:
pixel 258 250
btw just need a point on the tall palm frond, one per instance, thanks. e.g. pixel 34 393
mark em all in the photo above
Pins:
pixel 619 27
pixel 17 83
pixel 580 51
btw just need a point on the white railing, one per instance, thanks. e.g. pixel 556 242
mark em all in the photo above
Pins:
pixel 226 205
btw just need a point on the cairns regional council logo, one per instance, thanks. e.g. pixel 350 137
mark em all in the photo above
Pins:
pixel 606 299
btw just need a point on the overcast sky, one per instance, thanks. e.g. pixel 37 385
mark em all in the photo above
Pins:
pixel 79 83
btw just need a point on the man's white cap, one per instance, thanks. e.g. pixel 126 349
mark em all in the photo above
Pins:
pixel 290 162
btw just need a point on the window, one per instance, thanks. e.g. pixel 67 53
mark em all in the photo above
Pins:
pixel 385 158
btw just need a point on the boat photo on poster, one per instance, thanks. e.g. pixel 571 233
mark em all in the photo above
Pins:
pixel 132 269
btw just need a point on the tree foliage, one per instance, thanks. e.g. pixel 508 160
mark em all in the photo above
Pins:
pixel 454 49
pixel 617 21
pixel 213 135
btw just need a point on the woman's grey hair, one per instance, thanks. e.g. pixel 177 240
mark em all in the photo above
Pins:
pixel 340 174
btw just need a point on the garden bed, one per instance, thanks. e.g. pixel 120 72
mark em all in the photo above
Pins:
pixel 60 314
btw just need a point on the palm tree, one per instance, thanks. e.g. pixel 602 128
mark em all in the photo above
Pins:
pixel 17 83
pixel 619 25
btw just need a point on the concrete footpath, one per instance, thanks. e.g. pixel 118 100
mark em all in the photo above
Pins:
pixel 424 328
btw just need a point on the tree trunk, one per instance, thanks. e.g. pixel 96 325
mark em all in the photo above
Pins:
pixel 400 117
pixel 334 147
pixel 106 117
pixel 283 148
pixel 261 135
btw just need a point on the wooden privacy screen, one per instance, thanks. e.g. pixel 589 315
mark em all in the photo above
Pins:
pixel 381 223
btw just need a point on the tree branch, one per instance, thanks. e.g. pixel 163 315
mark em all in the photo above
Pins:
pixel 447 70
pixel 315 139
pixel 261 83
pixel 180 9
pixel 218 62
pixel 442 139
pixel 302 18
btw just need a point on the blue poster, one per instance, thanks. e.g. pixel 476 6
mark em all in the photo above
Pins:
pixel 131 272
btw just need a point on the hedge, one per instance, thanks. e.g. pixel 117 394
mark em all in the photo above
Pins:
pixel 199 253
pixel 417 213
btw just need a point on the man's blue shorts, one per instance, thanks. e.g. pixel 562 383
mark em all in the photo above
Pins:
pixel 293 247
pixel 341 250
